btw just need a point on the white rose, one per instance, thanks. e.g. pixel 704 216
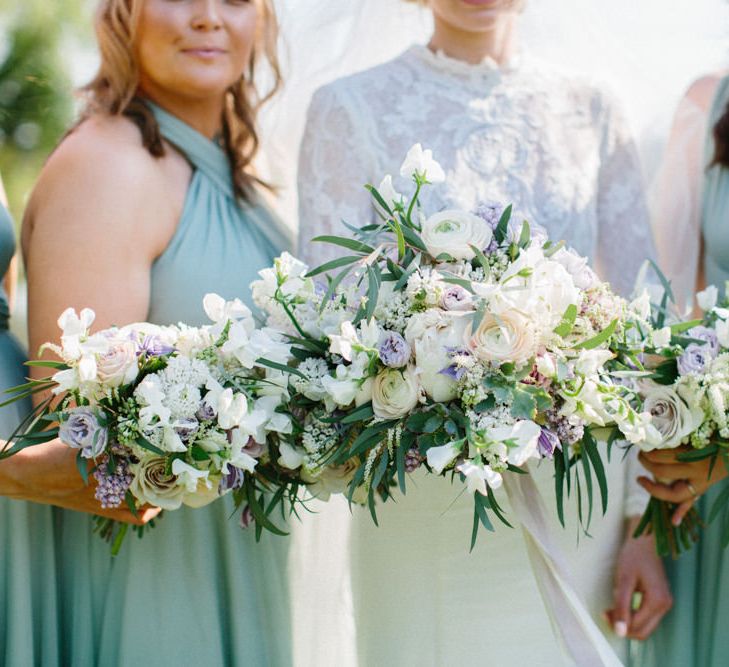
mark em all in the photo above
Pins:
pixel 330 479
pixel 453 232
pixel 432 355
pixel 508 337
pixel 395 393
pixel 674 414
pixel 117 365
pixel 155 485
pixel 707 298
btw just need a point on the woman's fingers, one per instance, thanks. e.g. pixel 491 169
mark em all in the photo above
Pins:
pixel 677 492
pixel 682 510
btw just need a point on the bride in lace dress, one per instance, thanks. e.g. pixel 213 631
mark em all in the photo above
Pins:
pixel 505 128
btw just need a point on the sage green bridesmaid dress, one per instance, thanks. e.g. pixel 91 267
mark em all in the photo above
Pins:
pixel 197 589
pixel 28 609
pixel 695 633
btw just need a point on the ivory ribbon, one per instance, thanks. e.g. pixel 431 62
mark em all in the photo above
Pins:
pixel 578 634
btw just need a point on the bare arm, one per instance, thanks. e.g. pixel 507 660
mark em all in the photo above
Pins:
pixel 92 230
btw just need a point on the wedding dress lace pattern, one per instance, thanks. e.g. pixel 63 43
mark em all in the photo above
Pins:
pixel 558 148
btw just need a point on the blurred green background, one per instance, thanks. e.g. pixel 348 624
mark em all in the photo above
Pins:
pixel 46 49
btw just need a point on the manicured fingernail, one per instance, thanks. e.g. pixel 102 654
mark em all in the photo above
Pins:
pixel 621 629
pixel 676 520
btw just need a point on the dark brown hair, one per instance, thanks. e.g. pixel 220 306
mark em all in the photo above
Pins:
pixel 114 88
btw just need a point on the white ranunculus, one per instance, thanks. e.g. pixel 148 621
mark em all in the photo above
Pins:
pixel 421 162
pixel 707 298
pixel 432 355
pixel 395 392
pixel 453 232
pixel 153 484
pixel 508 337
pixel 439 458
pixel 478 477
pixel 674 414
pixel 576 265
pixel 525 434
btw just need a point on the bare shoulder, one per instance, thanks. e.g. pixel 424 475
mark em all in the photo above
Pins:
pixel 102 176
pixel 701 92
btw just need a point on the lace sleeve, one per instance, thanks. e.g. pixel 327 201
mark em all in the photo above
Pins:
pixel 624 232
pixel 675 201
pixel 334 167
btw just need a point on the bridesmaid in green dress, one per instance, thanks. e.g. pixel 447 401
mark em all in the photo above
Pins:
pixel 146 206
pixel 28 608
pixel 694 208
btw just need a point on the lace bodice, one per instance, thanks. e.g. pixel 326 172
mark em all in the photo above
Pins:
pixel 556 147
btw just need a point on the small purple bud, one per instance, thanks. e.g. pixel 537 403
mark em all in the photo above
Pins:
pixel 186 428
pixel 152 346
pixel 246 518
pixel 548 443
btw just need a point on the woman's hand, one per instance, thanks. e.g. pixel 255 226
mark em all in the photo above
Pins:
pixel 639 570
pixel 682 482
pixel 48 474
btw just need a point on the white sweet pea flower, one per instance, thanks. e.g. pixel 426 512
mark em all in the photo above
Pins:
pixel 547 365
pixel 290 458
pixel 239 458
pixel 188 476
pixel 342 389
pixel 707 298
pixel 525 437
pixel 75 328
pixel 641 305
pixel 171 441
pixel 346 344
pixel 150 394
pixel 479 477
pixel 439 458
pixel 590 361
pixel 263 343
pixel 231 409
pixel 388 193
pixel 722 332
pixel 221 312
pixel 421 162
pixel 662 337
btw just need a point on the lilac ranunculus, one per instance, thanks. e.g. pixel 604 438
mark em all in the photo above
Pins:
pixel 548 443
pixel 456 298
pixel 694 359
pixel 394 350
pixel 490 212
pixel 81 430
pixel 711 342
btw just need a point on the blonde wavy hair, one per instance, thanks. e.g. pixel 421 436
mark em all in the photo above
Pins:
pixel 114 88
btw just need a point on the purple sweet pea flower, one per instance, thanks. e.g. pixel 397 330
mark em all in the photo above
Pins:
pixel 152 346
pixel 246 518
pixel 548 443
pixel 81 430
pixel 231 481
pixel 394 350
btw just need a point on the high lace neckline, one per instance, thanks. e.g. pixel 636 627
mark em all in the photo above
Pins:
pixel 486 71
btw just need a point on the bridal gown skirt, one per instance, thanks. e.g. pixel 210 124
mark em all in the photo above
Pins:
pixel 409 592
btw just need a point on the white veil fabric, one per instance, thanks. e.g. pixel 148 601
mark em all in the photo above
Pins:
pixel 646 52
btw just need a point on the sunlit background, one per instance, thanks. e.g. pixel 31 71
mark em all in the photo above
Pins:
pixel 647 50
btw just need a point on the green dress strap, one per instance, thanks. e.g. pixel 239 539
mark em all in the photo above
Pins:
pixel 210 159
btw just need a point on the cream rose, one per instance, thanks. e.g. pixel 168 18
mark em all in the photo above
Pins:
pixel 395 393
pixel 453 232
pixel 118 365
pixel 508 337
pixel 153 483
pixel 673 414
pixel 322 483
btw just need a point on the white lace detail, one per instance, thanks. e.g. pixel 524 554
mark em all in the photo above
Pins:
pixel 556 147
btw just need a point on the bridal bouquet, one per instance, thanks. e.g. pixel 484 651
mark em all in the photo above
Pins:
pixel 684 387
pixel 457 340
pixel 166 416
